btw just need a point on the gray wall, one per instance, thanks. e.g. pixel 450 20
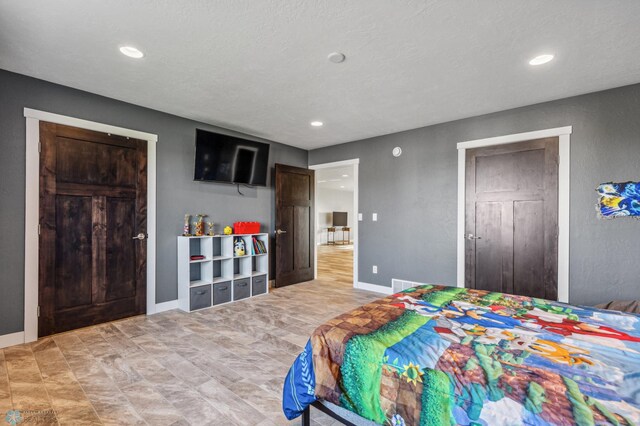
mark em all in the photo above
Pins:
pixel 177 193
pixel 415 195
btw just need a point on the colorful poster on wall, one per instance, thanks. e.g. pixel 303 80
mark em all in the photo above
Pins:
pixel 619 199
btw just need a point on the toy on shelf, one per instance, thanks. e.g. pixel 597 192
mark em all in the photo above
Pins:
pixel 246 227
pixel 186 230
pixel 199 225
pixel 211 233
pixel 238 247
pixel 228 230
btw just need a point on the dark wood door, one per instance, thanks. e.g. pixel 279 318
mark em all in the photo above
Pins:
pixel 93 192
pixel 294 225
pixel 512 218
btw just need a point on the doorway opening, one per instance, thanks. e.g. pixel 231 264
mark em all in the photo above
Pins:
pixel 336 201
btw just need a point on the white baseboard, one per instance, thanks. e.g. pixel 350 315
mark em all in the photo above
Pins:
pixel 12 339
pixel 166 306
pixel 375 287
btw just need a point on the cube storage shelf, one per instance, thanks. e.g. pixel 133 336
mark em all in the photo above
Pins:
pixel 221 276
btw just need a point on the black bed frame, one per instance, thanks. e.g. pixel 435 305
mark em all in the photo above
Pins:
pixel 306 415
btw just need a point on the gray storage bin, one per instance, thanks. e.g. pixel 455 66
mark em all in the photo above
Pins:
pixel 200 297
pixel 259 285
pixel 221 293
pixel 241 289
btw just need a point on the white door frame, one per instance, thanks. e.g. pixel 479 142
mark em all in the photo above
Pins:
pixel 355 162
pixel 564 136
pixel 32 213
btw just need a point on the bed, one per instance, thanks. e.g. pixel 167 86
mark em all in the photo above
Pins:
pixel 435 355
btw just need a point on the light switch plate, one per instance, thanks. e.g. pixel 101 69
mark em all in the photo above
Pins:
pixel 360 217
pixel 374 217
pixel 375 269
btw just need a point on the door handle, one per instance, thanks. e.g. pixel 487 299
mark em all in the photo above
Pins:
pixel 140 236
pixel 472 237
pixel 280 232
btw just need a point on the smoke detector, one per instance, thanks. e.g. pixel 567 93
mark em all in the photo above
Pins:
pixel 336 57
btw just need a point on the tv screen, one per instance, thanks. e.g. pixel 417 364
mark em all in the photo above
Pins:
pixel 339 218
pixel 223 158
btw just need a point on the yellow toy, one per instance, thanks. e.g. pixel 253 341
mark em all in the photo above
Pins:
pixel 228 230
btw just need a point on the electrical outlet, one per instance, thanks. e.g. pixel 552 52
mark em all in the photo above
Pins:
pixel 374 217
pixel 360 217
pixel 375 269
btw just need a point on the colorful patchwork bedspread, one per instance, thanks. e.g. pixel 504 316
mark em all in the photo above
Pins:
pixel 435 355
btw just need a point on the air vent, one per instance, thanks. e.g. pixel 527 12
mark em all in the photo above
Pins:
pixel 400 285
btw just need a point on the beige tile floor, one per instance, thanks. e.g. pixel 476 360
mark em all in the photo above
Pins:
pixel 218 366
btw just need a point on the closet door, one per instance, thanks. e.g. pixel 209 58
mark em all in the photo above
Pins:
pixel 512 218
pixel 93 225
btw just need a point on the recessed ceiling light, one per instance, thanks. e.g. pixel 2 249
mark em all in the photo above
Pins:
pixel 317 123
pixel 341 186
pixel 131 52
pixel 345 175
pixel 541 59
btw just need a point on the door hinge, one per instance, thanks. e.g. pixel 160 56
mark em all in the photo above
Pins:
pixel 38 229
pixel 39 146
pixel 38 310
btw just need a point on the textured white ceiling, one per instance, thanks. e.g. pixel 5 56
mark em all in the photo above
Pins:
pixel 334 178
pixel 261 67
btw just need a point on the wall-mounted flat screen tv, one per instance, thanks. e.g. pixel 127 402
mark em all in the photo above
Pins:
pixel 228 159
